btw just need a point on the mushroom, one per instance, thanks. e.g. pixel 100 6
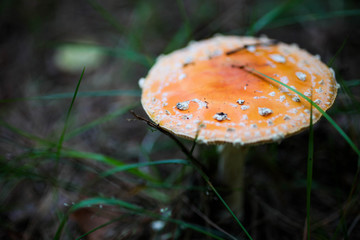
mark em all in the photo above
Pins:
pixel 219 100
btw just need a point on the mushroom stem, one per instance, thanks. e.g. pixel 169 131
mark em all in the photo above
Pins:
pixel 231 175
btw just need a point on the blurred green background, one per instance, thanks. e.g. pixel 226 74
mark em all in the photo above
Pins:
pixel 74 166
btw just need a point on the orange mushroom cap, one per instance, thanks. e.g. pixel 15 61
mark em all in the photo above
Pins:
pixel 207 90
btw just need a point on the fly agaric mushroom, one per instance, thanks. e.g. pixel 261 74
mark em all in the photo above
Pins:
pixel 208 90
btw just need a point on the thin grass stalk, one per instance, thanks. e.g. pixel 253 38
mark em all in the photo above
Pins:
pixel 61 140
pixel 270 16
pixel 59 96
pixel 314 17
pixel 98 227
pixel 199 167
pixel 207 180
pixel 185 17
pixel 99 121
pixel 310 162
pixel 332 60
pixel 133 209
pixel 146 164
pixel 332 122
pixel 106 15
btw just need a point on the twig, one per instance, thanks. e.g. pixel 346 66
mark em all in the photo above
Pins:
pixel 199 167
pixel 270 42
pixel 177 141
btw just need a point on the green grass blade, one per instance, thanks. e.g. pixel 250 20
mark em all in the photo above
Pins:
pixel 107 160
pixel 131 55
pixel 207 180
pixel 61 140
pixel 57 96
pixel 314 17
pixel 146 164
pixel 310 161
pixel 331 61
pixel 99 121
pixel 9 171
pixel 105 93
pixel 270 16
pixel 26 134
pixel 185 17
pixel 345 88
pixel 61 227
pixel 341 228
pixel 92 202
pixel 180 38
pixel 332 122
pixel 106 15
pixel 352 83
pixel 104 201
pixel 183 35
pixel 98 227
